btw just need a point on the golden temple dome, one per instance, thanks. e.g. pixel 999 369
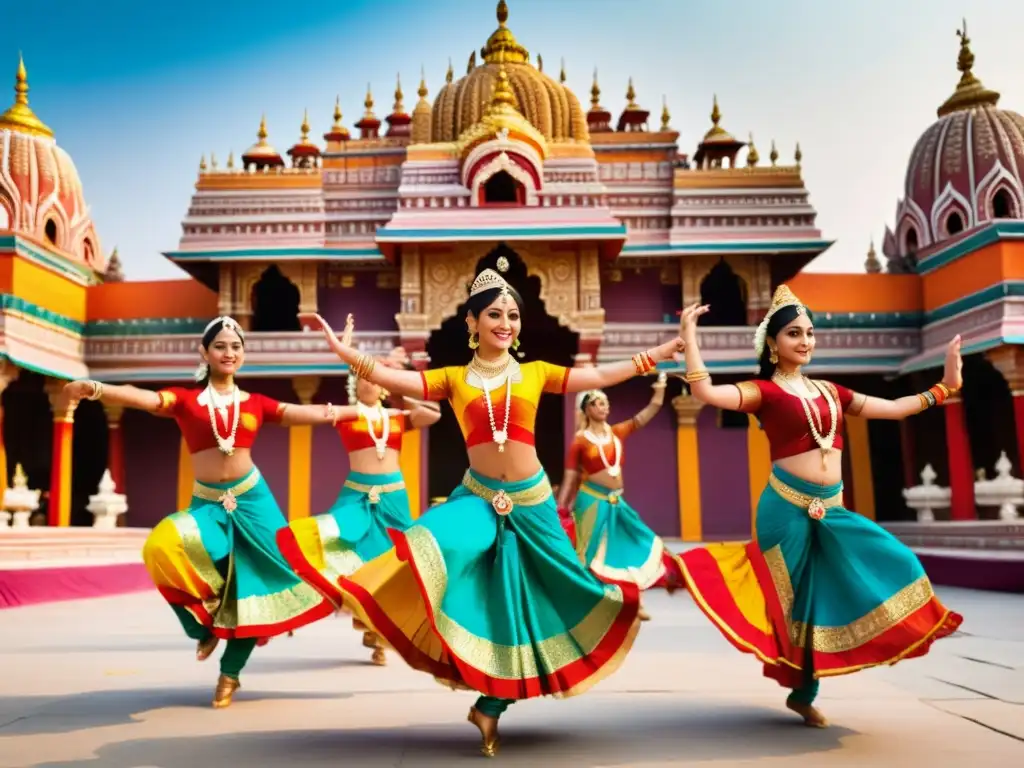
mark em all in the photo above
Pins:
pixel 501 117
pixel 20 116
pixel 547 104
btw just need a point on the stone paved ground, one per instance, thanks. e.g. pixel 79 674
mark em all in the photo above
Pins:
pixel 112 682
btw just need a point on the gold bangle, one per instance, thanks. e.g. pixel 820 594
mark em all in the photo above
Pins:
pixel 97 390
pixel 700 374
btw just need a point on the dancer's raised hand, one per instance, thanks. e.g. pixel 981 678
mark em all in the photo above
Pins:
pixel 952 375
pixel 688 320
pixel 350 326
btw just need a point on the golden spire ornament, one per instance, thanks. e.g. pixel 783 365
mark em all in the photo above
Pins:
pixel 631 96
pixel 798 155
pixel 561 75
pixel 20 116
pixel 337 112
pixel 970 92
pixel 774 154
pixel 666 117
pixel 422 90
pixel 449 75
pixel 595 94
pixel 399 107
pixel 368 103
pixel 752 156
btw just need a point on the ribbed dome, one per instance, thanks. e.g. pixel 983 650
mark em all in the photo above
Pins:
pixel 549 106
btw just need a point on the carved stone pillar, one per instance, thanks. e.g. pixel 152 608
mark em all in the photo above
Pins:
pixel 687 410
pixel 8 373
pixel 1009 361
pixel 60 462
pixel 300 452
pixel 226 291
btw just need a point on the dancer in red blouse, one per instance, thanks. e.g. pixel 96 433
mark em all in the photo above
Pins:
pixel 217 563
pixel 822 591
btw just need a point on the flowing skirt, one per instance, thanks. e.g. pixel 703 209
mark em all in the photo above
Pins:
pixel 817 597
pixel 615 543
pixel 324 548
pixel 486 593
pixel 219 562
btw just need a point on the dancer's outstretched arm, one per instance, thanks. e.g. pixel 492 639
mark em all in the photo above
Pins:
pixel 724 396
pixel 293 415
pixel 399 382
pixel 124 395
pixel 902 407
pixel 610 374
pixel 649 411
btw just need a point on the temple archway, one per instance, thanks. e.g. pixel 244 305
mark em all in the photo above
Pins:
pixel 543 338
pixel 726 294
pixel 502 189
pixel 275 302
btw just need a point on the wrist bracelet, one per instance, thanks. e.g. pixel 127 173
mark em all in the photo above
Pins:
pixel 97 390
pixel 700 374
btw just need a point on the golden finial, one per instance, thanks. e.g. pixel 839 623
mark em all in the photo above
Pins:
pixel 872 265
pixel 368 103
pixel 20 478
pixel 969 91
pixel 202 164
pixel 20 116
pixel 774 154
pixel 595 94
pixel 231 161
pixel 503 91
pixel 502 13
pixel 631 96
pixel 337 111
pixel 449 75
pixel 502 44
pixel 304 128
pixel 752 156
pixel 261 134
pixel 399 107
pixel 472 63
pixel 561 74
pixel 798 155
pixel 665 115
pixel 213 162
pixel 540 63
pixel 422 90
pixel 716 113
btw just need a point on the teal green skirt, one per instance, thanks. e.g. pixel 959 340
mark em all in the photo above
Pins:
pixel 486 592
pixel 324 548
pixel 616 544
pixel 822 591
pixel 219 561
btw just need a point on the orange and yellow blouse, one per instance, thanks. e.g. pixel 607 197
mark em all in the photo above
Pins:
pixel 529 381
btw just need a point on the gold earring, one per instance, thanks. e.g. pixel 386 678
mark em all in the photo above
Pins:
pixel 473 341
pixel 773 358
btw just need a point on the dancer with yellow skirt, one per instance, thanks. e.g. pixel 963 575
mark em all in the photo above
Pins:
pixel 217 563
pixel 373 499
pixel 822 591
pixel 611 538
pixel 485 591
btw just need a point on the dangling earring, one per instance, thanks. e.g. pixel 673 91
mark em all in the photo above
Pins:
pixel 473 341
pixel 773 358
pixel 201 370
pixel 515 348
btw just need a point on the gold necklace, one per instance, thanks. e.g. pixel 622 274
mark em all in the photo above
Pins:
pixel 490 370
pixel 825 442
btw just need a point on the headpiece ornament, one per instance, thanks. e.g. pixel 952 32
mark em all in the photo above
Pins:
pixel 487 280
pixel 229 322
pixel 585 398
pixel 783 298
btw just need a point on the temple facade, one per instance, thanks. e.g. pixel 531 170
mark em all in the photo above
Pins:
pixel 610 227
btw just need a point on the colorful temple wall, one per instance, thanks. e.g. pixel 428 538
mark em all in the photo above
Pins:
pixel 637 295
pixel 373 306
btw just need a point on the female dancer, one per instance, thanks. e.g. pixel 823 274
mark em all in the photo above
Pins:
pixel 611 539
pixel 822 591
pixel 485 591
pixel 216 563
pixel 324 548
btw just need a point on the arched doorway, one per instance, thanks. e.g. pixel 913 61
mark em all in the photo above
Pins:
pixel 275 303
pixel 542 338
pixel 502 189
pixel 726 295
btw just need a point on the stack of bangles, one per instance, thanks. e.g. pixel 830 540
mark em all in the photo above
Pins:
pixel 937 395
pixel 643 363
pixel 364 366
pixel 332 413
pixel 691 377
pixel 97 390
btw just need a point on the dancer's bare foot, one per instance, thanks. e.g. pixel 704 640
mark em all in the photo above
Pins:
pixel 379 659
pixel 226 687
pixel 490 742
pixel 206 647
pixel 642 614
pixel 812 715
pixel 370 640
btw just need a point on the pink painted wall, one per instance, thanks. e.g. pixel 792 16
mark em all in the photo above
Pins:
pixel 639 298
pixel 724 479
pixel 374 308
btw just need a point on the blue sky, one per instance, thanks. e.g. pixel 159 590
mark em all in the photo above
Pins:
pixel 136 92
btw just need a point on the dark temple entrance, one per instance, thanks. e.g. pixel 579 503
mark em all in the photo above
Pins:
pixel 542 338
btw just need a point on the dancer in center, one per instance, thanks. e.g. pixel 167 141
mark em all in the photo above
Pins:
pixel 611 539
pixel 485 591
pixel 373 499
pixel 821 591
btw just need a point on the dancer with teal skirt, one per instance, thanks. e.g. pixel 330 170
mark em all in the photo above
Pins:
pixel 822 591
pixel 485 591
pixel 373 499
pixel 611 538
pixel 217 563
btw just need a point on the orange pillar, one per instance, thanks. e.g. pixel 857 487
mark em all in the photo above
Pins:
pixel 687 410
pixel 300 452
pixel 60 462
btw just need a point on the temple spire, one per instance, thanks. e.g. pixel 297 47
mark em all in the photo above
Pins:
pixel 970 92
pixel 20 116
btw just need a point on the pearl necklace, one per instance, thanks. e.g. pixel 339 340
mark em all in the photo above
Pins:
pixel 226 445
pixel 825 442
pixel 615 468
pixel 500 436
pixel 371 415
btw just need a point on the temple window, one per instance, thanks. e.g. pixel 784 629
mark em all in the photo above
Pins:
pixel 954 223
pixel 1002 205
pixel 502 189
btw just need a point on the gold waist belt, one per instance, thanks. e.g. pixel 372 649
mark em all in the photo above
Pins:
pixel 612 497
pixel 226 497
pixel 503 501
pixel 373 492
pixel 814 505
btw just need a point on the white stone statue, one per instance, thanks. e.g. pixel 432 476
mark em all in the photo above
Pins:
pixel 1004 490
pixel 927 497
pixel 107 504
pixel 19 501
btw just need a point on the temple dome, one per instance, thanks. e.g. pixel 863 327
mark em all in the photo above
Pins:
pixel 548 105
pixel 40 191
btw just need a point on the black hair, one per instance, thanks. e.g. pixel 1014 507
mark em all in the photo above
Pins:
pixel 586 400
pixel 780 320
pixel 481 301
pixel 207 340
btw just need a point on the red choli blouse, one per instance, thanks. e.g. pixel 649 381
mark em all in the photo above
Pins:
pixel 194 419
pixel 585 457
pixel 783 418
pixel 355 434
